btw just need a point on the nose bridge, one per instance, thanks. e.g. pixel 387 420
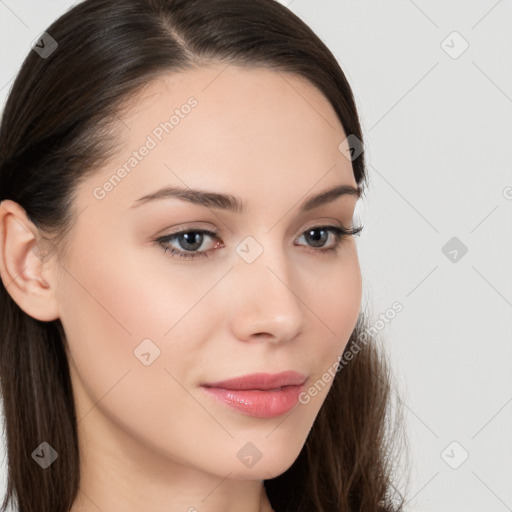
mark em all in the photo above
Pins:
pixel 267 300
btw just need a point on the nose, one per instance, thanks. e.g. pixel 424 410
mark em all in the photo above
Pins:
pixel 268 302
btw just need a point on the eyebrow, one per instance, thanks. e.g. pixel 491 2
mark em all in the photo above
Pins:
pixel 234 204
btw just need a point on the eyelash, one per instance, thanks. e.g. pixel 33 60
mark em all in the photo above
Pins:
pixel 339 235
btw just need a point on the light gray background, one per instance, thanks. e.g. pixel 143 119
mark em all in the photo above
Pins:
pixel 438 135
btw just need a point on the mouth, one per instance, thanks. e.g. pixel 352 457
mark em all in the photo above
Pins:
pixel 261 395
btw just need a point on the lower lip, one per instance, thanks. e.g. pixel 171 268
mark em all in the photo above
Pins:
pixel 258 403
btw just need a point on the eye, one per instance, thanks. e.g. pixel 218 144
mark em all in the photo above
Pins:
pixel 338 234
pixel 191 240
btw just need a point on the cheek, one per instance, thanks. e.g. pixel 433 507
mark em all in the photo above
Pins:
pixel 116 309
pixel 335 300
pixel 124 298
pixel 106 322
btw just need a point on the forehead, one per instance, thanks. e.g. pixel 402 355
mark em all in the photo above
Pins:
pixel 225 126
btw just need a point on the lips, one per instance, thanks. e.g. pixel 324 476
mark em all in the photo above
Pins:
pixel 261 381
pixel 261 395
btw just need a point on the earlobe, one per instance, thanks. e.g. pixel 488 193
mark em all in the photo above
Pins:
pixel 24 264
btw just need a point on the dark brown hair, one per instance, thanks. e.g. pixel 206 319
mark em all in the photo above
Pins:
pixel 56 130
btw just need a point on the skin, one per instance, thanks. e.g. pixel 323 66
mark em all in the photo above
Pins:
pixel 150 438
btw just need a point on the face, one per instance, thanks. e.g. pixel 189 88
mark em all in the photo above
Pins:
pixel 151 316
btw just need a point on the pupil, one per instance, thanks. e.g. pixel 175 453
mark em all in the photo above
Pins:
pixel 189 239
pixel 322 242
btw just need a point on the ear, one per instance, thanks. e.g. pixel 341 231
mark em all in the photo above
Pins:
pixel 27 263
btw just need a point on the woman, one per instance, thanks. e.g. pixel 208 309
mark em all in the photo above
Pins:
pixel 181 292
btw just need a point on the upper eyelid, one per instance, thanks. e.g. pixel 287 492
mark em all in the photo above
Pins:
pixel 316 224
pixel 216 233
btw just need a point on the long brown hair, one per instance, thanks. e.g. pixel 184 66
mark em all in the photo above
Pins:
pixel 55 132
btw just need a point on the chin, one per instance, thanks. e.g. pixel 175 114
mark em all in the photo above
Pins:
pixel 264 463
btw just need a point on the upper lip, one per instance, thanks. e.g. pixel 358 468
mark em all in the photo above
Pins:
pixel 263 381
